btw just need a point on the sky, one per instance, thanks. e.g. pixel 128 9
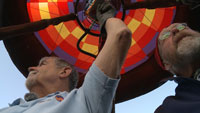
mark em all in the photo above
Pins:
pixel 12 86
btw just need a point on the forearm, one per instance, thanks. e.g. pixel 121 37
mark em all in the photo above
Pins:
pixel 112 55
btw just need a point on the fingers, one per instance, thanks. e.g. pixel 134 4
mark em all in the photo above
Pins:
pixel 104 7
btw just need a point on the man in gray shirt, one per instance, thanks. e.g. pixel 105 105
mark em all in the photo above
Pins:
pixel 52 82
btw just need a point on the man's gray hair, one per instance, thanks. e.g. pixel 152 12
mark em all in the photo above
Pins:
pixel 73 77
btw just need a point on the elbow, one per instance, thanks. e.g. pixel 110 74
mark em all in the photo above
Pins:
pixel 125 37
pixel 126 33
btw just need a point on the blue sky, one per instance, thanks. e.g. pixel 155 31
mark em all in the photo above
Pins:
pixel 12 87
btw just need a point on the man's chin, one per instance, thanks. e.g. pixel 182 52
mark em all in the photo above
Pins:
pixel 30 84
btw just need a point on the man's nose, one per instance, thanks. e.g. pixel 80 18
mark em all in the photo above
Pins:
pixel 31 68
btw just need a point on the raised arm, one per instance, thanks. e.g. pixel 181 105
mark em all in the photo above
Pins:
pixel 112 55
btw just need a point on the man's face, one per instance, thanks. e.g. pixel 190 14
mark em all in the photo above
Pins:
pixel 46 72
pixel 178 42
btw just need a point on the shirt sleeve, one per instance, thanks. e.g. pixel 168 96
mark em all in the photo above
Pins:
pixel 192 3
pixel 99 90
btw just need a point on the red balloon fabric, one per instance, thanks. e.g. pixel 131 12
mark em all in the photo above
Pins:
pixel 62 39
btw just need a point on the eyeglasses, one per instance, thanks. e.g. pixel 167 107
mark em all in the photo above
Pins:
pixel 179 27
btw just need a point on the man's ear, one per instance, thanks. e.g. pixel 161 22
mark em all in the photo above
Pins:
pixel 65 72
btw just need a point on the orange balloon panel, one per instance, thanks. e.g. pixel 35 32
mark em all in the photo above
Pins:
pixel 62 39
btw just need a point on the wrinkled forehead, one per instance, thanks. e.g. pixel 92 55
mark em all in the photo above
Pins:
pixel 46 59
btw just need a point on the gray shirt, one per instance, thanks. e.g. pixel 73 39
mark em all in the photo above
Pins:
pixel 95 96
